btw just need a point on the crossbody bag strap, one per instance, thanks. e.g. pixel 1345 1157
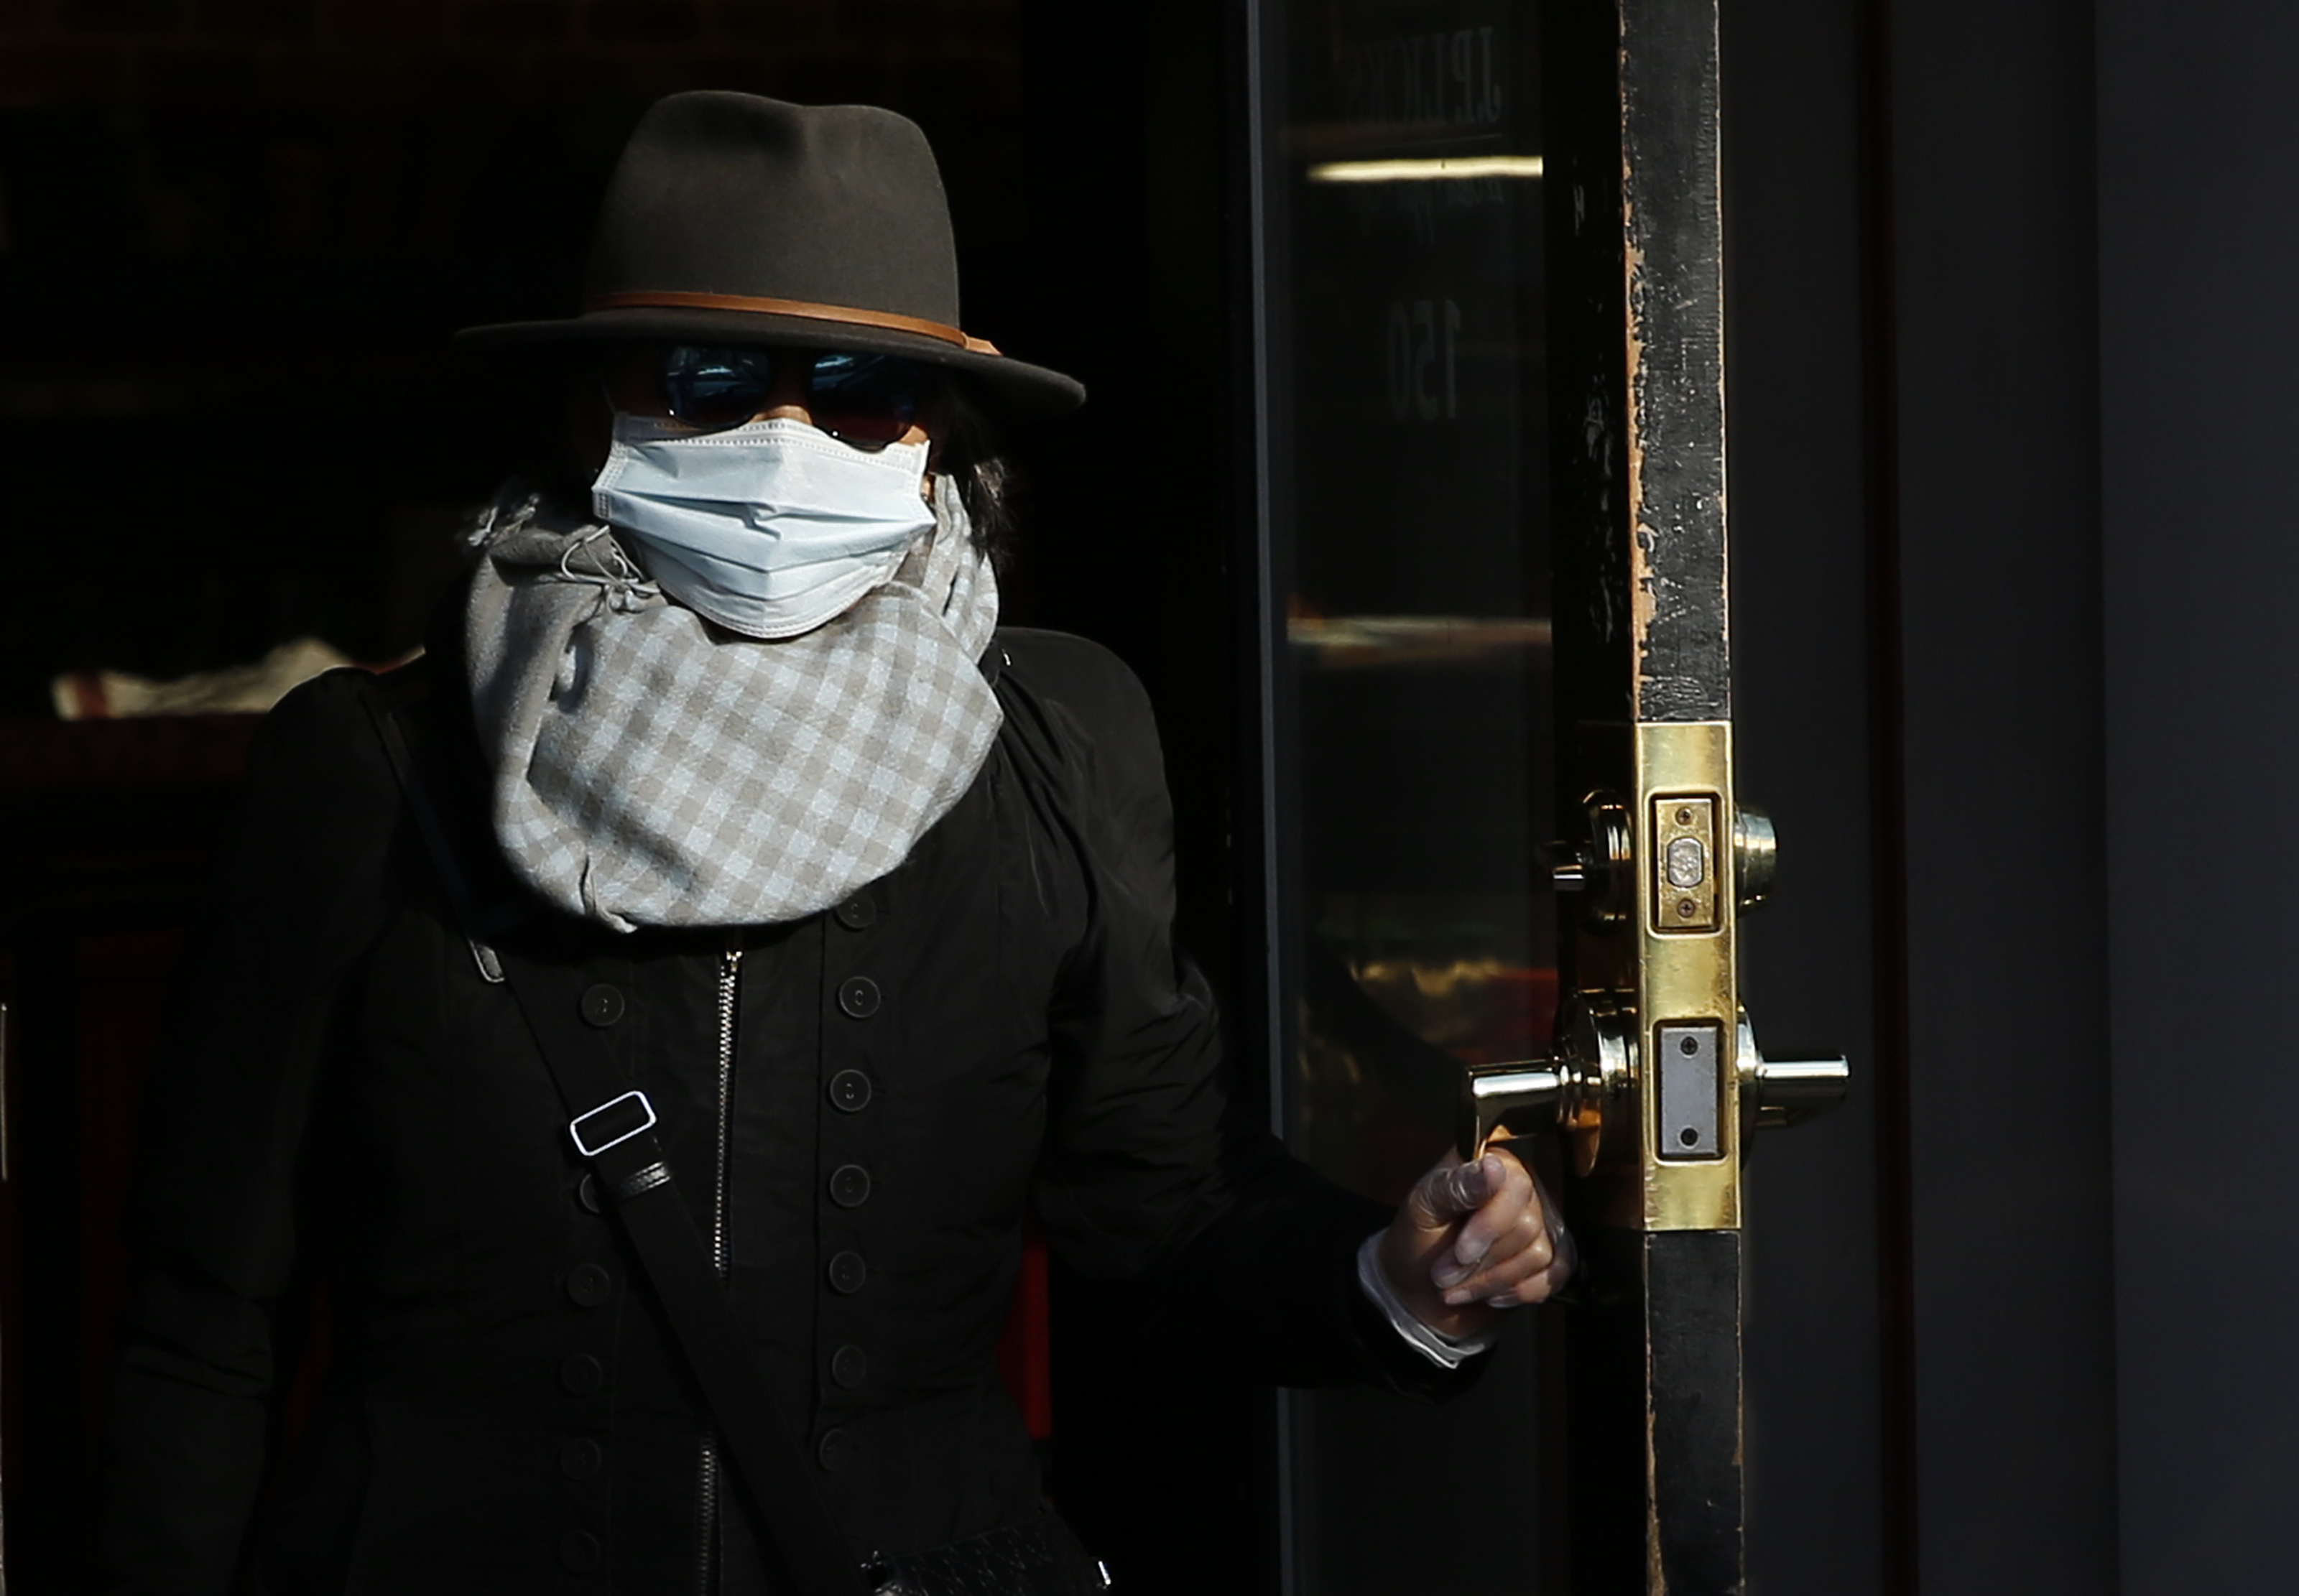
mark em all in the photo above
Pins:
pixel 611 1125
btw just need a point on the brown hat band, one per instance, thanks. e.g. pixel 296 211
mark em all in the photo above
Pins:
pixel 672 300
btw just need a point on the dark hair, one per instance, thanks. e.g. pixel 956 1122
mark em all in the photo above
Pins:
pixel 971 456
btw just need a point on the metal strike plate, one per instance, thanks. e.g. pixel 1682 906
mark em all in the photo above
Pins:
pixel 1691 1089
pixel 1684 864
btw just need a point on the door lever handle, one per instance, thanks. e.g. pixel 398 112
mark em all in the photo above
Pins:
pixel 1776 1093
pixel 1572 1093
pixel 1582 1092
pixel 1524 1097
pixel 1789 1091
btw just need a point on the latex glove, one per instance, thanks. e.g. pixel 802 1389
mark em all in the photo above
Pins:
pixel 1473 1239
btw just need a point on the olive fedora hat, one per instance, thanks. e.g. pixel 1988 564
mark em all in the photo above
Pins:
pixel 733 218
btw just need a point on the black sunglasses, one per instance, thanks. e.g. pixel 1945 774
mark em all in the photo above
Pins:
pixel 862 399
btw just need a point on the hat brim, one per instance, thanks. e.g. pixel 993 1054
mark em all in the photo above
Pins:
pixel 1028 389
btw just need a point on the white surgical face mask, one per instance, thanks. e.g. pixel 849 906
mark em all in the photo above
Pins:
pixel 769 528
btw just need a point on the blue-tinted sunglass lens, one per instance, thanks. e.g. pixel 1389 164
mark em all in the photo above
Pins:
pixel 868 398
pixel 716 387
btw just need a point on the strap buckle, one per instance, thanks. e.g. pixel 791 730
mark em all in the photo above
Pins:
pixel 621 1136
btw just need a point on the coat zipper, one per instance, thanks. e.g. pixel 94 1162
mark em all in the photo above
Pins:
pixel 730 973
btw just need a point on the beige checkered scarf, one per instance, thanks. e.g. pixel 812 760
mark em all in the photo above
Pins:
pixel 651 769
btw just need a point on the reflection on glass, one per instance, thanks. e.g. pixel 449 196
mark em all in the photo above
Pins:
pixel 1408 489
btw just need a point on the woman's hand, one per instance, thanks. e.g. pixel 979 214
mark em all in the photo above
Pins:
pixel 1472 1239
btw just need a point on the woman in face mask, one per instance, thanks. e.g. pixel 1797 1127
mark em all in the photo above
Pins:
pixel 767 488
pixel 652 1015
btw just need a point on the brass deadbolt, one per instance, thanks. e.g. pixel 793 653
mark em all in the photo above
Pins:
pixel 1756 854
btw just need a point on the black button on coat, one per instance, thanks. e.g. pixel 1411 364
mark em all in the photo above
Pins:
pixel 349 1100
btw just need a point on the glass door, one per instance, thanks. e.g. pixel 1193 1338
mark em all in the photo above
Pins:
pixel 1404 381
pixel 1489 321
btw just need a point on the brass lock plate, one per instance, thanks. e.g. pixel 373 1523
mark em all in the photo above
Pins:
pixel 1674 975
pixel 1688 981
